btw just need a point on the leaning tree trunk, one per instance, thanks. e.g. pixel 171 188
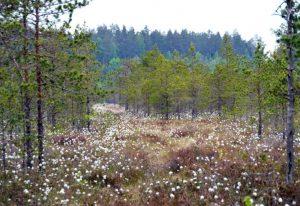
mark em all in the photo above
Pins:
pixel 291 94
pixel 39 80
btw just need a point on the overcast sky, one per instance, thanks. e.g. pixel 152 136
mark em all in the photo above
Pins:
pixel 248 17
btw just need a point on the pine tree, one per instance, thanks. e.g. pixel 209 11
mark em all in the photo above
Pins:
pixel 257 82
pixel 290 38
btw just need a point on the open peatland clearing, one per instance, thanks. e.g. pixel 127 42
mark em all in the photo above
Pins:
pixel 129 160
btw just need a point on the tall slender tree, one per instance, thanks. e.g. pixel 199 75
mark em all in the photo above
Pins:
pixel 258 87
pixel 46 13
pixel 291 16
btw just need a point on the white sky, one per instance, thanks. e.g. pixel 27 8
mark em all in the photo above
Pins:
pixel 248 17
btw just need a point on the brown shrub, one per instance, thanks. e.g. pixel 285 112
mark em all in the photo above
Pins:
pixel 97 178
pixel 141 156
pixel 188 157
pixel 184 132
pixel 183 157
pixel 208 151
pixel 153 138
pixel 204 121
pixel 291 192
pixel 174 165
pixel 68 139
pixel 118 138
pixel 231 169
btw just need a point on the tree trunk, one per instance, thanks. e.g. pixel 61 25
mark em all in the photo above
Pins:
pixel 11 141
pixel 283 116
pixel 219 106
pixel 178 112
pixel 28 142
pixel 88 112
pixel 148 109
pixel 194 105
pixel 259 131
pixel 275 120
pixel 53 117
pixel 39 80
pixel 167 107
pixel 72 114
pixel 27 100
pixel 291 95
pixel 3 148
pixel 136 109
pixel 194 113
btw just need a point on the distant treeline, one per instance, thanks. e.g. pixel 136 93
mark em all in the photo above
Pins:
pixel 115 42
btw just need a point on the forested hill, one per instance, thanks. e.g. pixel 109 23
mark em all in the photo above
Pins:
pixel 115 42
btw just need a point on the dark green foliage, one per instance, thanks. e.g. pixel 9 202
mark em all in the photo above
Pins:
pixel 122 43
